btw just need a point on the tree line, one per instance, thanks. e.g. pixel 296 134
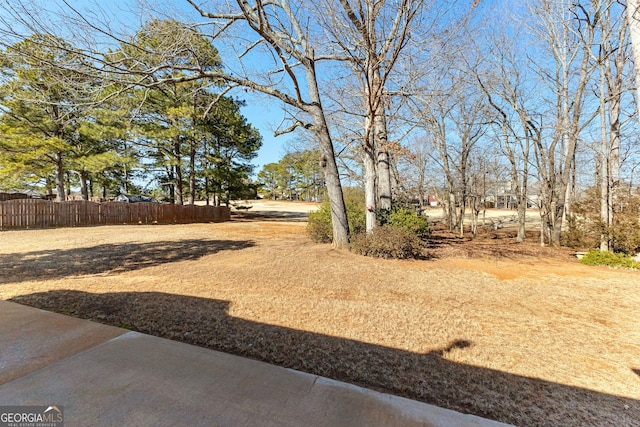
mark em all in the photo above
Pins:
pixel 297 176
pixel 402 95
pixel 63 124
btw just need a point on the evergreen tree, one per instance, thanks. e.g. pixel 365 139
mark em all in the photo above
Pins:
pixel 167 107
pixel 230 143
pixel 47 112
pixel 39 97
pixel 297 175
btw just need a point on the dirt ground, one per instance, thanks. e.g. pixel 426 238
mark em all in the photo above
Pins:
pixel 516 333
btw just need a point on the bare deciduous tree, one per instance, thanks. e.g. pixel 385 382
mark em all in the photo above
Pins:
pixel 633 21
pixel 508 93
pixel 276 27
pixel 370 36
pixel 612 57
pixel 566 32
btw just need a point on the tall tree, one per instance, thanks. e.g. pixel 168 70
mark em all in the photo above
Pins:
pixel 566 32
pixel 508 90
pixel 163 51
pixel 612 57
pixel 370 37
pixel 633 21
pixel 432 107
pixel 284 32
pixel 229 145
pixel 102 151
pixel 42 106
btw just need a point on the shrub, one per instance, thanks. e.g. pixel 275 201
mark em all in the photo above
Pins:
pixel 410 220
pixel 320 228
pixel 388 242
pixel 319 225
pixel 626 234
pixel 609 258
pixel 581 233
pixel 585 227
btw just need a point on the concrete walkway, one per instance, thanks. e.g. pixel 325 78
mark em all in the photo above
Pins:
pixel 107 376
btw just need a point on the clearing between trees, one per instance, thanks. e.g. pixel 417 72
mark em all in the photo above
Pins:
pixel 516 333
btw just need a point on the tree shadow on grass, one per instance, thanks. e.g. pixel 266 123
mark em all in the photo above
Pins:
pixel 426 377
pixel 107 258
pixel 445 244
pixel 270 216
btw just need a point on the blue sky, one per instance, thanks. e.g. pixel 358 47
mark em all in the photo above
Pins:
pixel 265 115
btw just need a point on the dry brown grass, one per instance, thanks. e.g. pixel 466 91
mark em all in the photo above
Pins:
pixel 516 333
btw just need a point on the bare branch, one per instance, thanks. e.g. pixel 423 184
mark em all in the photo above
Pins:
pixel 293 127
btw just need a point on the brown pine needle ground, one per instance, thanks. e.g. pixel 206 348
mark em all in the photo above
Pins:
pixel 516 333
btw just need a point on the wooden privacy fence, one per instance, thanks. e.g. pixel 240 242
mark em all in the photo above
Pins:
pixel 33 213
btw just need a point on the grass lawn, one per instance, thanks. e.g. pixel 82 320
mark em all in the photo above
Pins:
pixel 515 333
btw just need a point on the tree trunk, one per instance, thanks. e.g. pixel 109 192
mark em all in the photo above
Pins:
pixel 450 199
pixel 84 190
pixel 464 160
pixel 614 155
pixel 558 213
pixel 603 164
pixel 475 214
pixel 524 188
pixel 421 187
pixel 451 212
pixel 125 184
pixel 522 219
pixel 384 179
pixel 383 169
pixel 520 188
pixel 612 73
pixel 192 173
pixel 68 184
pixel 177 167
pixel 461 216
pixel 171 184
pixel 370 188
pixel 60 196
pixel 521 203
pixel 339 220
pixel 633 20
pixel 546 222
pixel 206 177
